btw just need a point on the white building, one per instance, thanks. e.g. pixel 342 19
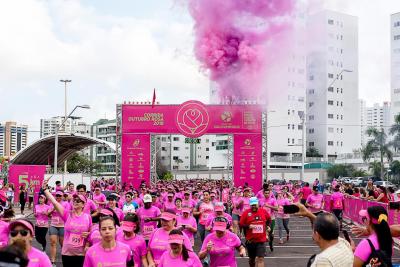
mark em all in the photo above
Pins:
pixel 105 130
pixel 13 138
pixel 333 112
pixel 395 63
pixel 363 121
pixel 73 125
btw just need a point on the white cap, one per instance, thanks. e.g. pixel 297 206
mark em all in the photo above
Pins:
pixel 147 199
pixel 398 191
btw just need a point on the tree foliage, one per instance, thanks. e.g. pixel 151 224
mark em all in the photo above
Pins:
pixel 81 164
pixel 312 152
pixel 340 170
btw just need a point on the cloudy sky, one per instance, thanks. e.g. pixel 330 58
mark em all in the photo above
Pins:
pixel 120 50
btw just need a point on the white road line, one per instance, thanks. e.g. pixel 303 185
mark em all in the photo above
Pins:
pixel 296 246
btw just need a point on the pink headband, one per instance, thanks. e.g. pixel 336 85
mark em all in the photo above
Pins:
pixel 106 212
pixel 168 216
pixel 128 224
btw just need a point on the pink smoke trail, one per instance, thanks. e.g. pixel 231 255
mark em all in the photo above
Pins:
pixel 231 41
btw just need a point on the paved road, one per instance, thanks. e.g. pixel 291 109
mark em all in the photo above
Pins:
pixel 294 253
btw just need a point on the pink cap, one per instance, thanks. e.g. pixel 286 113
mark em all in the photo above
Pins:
pixel 127 226
pixel 170 195
pixel 186 210
pixel 81 197
pixel 175 239
pixel 167 216
pixel 59 193
pixel 219 208
pixel 23 223
pixel 43 196
pixel 106 212
pixel 219 226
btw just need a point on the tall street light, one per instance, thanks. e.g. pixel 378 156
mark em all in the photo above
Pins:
pixel 65 112
pixel 56 135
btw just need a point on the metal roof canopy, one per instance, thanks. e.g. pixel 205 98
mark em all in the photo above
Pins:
pixel 41 152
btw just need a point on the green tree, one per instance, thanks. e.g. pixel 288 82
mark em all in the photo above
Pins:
pixel 378 144
pixel 395 131
pixel 340 170
pixel 395 171
pixel 359 173
pixel 312 152
pixel 375 167
pixel 81 164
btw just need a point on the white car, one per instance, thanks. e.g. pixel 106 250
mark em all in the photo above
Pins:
pixel 357 181
pixel 384 183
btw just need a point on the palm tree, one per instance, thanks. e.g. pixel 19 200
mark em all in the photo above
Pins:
pixel 395 131
pixel 375 167
pixel 378 144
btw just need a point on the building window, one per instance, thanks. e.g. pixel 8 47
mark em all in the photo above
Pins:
pixel 311 78
pixel 330 75
pixel 330 143
pixel 311 117
pixel 396 37
pixel 330 129
pixel 207 149
pixel 341 117
pixel 310 143
pixel 288 140
pixel 162 158
pixel 301 99
pixel 311 91
pixel 176 139
pixel 288 126
pixel 292 140
pixel 292 126
pixel 176 148
pixel 396 24
pixel 299 127
pixel 341 130
pixel 341 143
pixel 330 116
pixel 288 112
pixel 331 22
pixel 337 116
pixel 164 139
pixel 310 104
pixel 175 158
pixel 311 130
pixel 163 148
pixel 207 157
pixel 330 89
pixel 330 102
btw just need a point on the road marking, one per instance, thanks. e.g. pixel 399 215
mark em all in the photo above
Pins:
pixel 299 246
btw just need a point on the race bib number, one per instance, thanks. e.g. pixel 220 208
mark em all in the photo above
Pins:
pixel 280 209
pixel 75 240
pixel 337 203
pixel 41 222
pixel 258 228
pixel 148 229
pixel 204 216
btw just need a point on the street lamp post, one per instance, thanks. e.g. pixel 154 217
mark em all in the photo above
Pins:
pixel 65 112
pixel 302 116
pixel 56 135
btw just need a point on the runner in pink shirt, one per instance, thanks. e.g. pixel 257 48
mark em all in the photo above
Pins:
pixel 187 223
pixel 149 216
pixel 108 252
pixel 304 193
pixel 158 242
pixel 282 219
pixel 221 245
pixel 99 198
pixel 337 204
pixel 169 204
pixel 22 230
pixel 315 201
pixel 187 201
pixel 89 204
pixel 218 212
pixel 203 209
pixel 178 254
pixel 112 204
pixel 236 211
pixel 42 212
pixel 128 234
pixel 270 204
pixel 156 201
pixel 77 225
pixel 56 230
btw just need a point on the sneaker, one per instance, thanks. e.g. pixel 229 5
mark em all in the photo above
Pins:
pixel 287 237
pixel 280 241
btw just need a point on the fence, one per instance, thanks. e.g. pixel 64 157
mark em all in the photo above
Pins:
pixel 352 207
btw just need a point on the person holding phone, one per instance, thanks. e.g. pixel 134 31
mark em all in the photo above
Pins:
pixel 187 223
pixel 315 201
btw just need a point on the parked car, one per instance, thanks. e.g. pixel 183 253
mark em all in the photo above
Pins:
pixel 356 181
pixel 384 183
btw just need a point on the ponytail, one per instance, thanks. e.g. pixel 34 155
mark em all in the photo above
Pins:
pixel 381 227
pixel 185 253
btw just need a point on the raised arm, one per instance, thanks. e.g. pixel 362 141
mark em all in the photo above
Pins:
pixel 57 206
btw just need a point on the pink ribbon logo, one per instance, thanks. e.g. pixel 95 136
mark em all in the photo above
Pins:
pixel 192 119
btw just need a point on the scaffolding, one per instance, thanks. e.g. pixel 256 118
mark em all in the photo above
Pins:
pixel 118 143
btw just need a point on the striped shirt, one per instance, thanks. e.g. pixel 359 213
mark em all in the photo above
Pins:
pixel 338 255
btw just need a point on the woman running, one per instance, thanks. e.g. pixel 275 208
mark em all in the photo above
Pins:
pixel 187 224
pixel 178 254
pixel 128 234
pixel 21 233
pixel 76 228
pixel 108 252
pixel 22 198
pixel 203 209
pixel 42 211
pixel 282 219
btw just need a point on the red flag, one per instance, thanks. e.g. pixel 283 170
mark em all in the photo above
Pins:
pixel 154 98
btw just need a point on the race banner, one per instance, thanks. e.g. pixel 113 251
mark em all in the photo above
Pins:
pixel 26 175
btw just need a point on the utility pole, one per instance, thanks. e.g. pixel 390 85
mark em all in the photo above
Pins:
pixel 65 112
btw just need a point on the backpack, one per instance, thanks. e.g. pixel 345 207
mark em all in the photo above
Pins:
pixel 378 258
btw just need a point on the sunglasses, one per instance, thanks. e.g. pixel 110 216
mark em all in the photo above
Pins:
pixel 14 233
pixel 78 201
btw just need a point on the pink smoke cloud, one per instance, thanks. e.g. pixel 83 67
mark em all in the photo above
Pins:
pixel 235 39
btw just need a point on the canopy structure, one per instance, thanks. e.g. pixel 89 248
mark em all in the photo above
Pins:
pixel 41 152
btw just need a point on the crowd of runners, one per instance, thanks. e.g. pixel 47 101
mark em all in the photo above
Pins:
pixel 111 224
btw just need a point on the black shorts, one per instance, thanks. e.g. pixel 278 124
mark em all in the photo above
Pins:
pixel 256 249
pixel 338 213
pixel 30 199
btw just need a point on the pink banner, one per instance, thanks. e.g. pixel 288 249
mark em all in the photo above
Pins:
pixel 247 160
pixel 191 119
pixel 135 161
pixel 26 175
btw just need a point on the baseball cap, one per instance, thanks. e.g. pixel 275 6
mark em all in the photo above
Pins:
pixel 59 193
pixel 106 212
pixel 24 223
pixel 167 216
pixel 81 197
pixel 253 201
pixel 186 210
pixel 147 198
pixel 220 224
pixel 175 239
pixel 127 226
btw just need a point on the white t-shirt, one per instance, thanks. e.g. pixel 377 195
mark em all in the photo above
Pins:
pixel 338 255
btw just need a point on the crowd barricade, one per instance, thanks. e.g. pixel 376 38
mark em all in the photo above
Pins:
pixel 352 207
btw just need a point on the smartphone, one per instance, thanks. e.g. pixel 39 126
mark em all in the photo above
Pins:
pixel 290 209
pixel 346 235
pixel 394 205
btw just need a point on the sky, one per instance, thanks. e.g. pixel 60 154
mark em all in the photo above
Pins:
pixel 115 51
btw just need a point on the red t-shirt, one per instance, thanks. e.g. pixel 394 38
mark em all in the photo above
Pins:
pixel 257 220
pixel 306 192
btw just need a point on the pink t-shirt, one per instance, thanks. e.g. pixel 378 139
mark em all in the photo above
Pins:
pixel 337 200
pixel 270 201
pixel 223 251
pixel 98 256
pixel 205 211
pixel 137 245
pixel 94 236
pixel 99 198
pixel 306 192
pixel 209 222
pixel 315 202
pixel 42 219
pixel 191 221
pixel 148 227
pixel 363 250
pixel 38 258
pixel 3 233
pixel 120 214
pixel 56 219
pixel 188 203
pixel 74 226
pixel 158 243
pixel 169 205
pixel 235 202
pixel 167 260
pixel 282 202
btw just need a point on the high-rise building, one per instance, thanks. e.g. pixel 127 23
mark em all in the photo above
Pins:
pixel 105 130
pixel 333 112
pixel 379 117
pixel 13 138
pixel 395 64
pixel 72 125
pixel 363 121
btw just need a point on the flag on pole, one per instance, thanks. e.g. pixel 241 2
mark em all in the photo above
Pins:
pixel 154 98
